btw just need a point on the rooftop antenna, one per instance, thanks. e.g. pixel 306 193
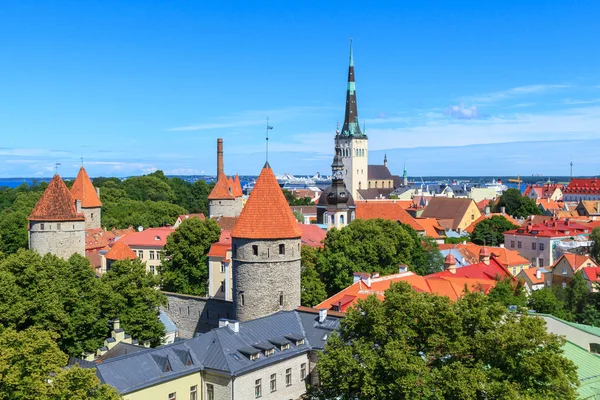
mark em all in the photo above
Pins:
pixel 571 167
pixel 267 141
pixel 82 161
pixel 56 168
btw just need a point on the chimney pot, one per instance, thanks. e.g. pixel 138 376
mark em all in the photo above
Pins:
pixel 322 315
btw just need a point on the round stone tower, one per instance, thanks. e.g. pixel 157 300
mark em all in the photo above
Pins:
pixel 266 253
pixel 57 224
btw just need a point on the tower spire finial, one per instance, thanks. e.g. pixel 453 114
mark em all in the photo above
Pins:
pixel 351 54
pixel 267 141
pixel 351 127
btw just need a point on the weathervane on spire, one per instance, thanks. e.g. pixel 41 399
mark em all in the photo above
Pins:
pixel 267 139
pixel 56 168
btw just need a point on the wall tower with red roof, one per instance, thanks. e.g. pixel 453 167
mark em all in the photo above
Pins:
pixel 91 206
pixel 225 200
pixel 265 253
pixel 57 223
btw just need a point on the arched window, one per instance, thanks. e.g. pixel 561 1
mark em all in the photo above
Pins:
pixel 341 219
pixel 352 216
pixel 332 219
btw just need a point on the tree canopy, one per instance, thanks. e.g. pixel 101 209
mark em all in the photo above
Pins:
pixel 374 245
pixel 516 205
pixel 312 288
pixel 595 251
pixel 489 231
pixel 184 268
pixel 417 345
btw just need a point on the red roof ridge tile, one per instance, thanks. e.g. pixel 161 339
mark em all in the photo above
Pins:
pixel 56 204
pixel 222 189
pixel 120 251
pixel 84 190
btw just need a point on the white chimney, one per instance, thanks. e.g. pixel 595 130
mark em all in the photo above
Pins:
pixel 375 275
pixel 501 245
pixel 223 322
pixel 234 326
pixel 322 315
pixel 402 269
pixel 538 274
pixel 78 206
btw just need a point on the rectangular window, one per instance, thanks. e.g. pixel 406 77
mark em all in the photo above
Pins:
pixel 194 392
pixel 288 377
pixel 210 392
pixel 541 246
pixel 158 255
pixel 152 269
pixel 41 227
pixel 564 271
pixel 273 382
pixel 512 244
pixel 222 267
pixel 254 249
pixel 152 254
pixel 257 388
pixel 519 244
pixel 302 371
pixel 141 254
pixel 242 299
pixel 282 249
pixel 173 396
pixel 514 271
pixel 281 299
pixel 58 227
pixel 541 262
pixel 533 246
pixel 222 286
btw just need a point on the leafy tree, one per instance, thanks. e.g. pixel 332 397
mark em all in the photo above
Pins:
pixel 545 301
pixel 508 293
pixel 134 299
pixel 516 204
pixel 294 201
pixel 31 367
pixel 577 296
pixel 489 231
pixel 418 345
pixel 127 212
pixel 184 269
pixel 200 192
pixel 595 237
pixel 312 288
pixel 374 245
pixel 148 187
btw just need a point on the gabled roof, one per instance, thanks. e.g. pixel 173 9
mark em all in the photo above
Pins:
pixel 266 214
pixel 591 207
pixel 312 235
pixel 83 190
pixel 386 210
pixel 379 173
pixel 56 204
pixel 374 193
pixel 223 189
pixel 226 223
pixel 448 208
pixel 432 227
pixel 120 251
pixel 575 261
pixel 480 270
pixel 592 273
pixel 151 237
pixel 531 274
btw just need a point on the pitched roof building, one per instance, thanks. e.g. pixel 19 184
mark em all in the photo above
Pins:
pixel 91 206
pixel 582 189
pixel 386 210
pixel 452 213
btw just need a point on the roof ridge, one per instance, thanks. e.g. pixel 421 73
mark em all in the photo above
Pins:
pixel 56 204
pixel 84 190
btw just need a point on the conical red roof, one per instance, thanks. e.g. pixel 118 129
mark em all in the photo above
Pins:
pixel 56 204
pixel 120 251
pixel 266 214
pixel 222 189
pixel 83 190
pixel 237 187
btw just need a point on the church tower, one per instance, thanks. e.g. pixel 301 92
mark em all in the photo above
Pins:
pixel 354 143
pixel 335 207
pixel 265 253
pixel 84 191
pixel 57 224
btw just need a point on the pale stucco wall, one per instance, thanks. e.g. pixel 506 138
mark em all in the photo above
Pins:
pixel 180 386
pixel 92 217
pixel 216 278
pixel 62 239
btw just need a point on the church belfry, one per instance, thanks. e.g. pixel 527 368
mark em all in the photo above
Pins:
pixel 353 142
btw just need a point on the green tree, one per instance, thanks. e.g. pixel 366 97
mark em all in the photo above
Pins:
pixel 489 231
pixel 31 367
pixel 184 268
pixel 148 187
pixel 595 237
pixel 508 293
pixel 577 296
pixel 516 204
pixel 418 345
pixel 312 288
pixel 134 299
pixel 545 301
pixel 294 201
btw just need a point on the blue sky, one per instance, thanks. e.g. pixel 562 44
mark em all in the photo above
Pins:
pixel 462 87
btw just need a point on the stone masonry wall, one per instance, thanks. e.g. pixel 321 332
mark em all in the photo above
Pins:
pixel 92 217
pixel 195 314
pixel 225 208
pixel 62 239
pixel 263 277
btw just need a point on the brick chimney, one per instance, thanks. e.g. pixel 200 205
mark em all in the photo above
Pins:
pixel 450 263
pixel 484 255
pixel 220 168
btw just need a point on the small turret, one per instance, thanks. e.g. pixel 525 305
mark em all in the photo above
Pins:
pixel 450 263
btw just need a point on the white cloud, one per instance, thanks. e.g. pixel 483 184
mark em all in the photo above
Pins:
pixel 511 93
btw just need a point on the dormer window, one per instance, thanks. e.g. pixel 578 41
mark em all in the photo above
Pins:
pixel 254 356
pixel 285 347
pixel 269 352
pixel 251 352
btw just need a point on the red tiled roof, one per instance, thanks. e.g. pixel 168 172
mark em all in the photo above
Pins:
pixel 531 274
pixel 222 190
pixel 237 187
pixel 183 217
pixel 431 226
pixel 481 205
pixel 550 228
pixel 583 185
pixel 56 204
pixel 120 251
pixel 83 190
pixel 97 238
pixel 312 235
pixel 592 273
pixel 219 250
pixel 226 223
pixel 151 237
pixel 478 271
pixel 266 214
pixel 575 260
pixel 385 210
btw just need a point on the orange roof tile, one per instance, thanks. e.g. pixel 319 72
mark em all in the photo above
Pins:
pixel 237 187
pixel 83 190
pixel 219 250
pixel 385 210
pixel 151 237
pixel 222 189
pixel 431 226
pixel 576 260
pixel 56 204
pixel 531 274
pixel 266 214
pixel 120 251
pixel 312 235
pixel 226 223
pixel 506 257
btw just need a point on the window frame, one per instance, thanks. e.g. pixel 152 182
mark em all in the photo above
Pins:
pixel 273 383
pixel 302 371
pixel 194 392
pixel 258 388
pixel 288 377
pixel 210 391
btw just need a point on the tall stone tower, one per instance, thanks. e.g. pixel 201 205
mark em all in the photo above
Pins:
pixel 57 224
pixel 84 191
pixel 266 253
pixel 225 200
pixel 335 207
pixel 354 143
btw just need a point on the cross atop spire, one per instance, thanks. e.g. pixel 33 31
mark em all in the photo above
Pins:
pixel 351 127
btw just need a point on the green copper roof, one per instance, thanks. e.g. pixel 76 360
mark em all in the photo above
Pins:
pixel 588 370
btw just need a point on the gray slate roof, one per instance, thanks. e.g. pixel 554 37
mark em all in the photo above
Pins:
pixel 378 172
pixel 218 349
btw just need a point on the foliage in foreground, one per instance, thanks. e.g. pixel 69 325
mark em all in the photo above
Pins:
pixel 489 231
pixel 421 346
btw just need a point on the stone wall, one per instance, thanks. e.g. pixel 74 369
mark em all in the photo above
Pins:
pixel 195 314
pixel 92 217
pixel 225 207
pixel 62 239
pixel 261 279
